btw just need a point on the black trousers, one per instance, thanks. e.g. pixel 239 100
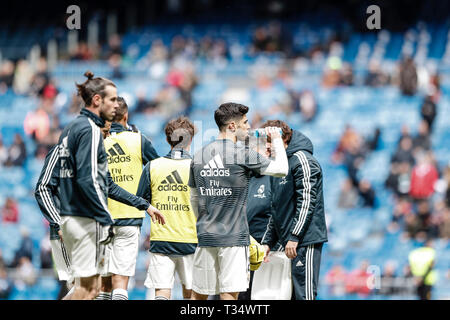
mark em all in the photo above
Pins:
pixel 424 292
pixel 246 295
pixel 305 272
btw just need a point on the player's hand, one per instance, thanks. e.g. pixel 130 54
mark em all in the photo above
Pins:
pixel 156 215
pixel 273 132
pixel 60 234
pixel 266 253
pixel 291 249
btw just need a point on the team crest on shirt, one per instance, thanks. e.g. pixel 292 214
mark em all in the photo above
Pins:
pixel 260 193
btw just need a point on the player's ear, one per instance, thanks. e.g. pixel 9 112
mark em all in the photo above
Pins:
pixel 96 100
pixel 232 126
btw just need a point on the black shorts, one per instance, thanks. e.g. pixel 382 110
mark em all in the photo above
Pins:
pixel 305 272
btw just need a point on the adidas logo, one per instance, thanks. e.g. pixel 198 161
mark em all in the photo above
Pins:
pixel 116 154
pixel 260 193
pixel 299 264
pixel 215 168
pixel 283 181
pixel 173 182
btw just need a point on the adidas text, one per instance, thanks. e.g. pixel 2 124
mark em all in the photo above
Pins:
pixel 118 159
pixel 172 187
pixel 215 172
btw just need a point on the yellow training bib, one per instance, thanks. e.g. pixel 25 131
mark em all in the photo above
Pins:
pixel 124 151
pixel 171 196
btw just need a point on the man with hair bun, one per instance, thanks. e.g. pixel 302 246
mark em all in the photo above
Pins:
pixel 164 183
pixel 83 216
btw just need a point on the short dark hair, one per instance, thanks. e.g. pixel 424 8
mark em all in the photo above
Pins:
pixel 229 111
pixel 179 132
pixel 121 110
pixel 286 130
pixel 92 86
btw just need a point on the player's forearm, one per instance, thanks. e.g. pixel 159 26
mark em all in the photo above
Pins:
pixel 194 201
pixel 280 166
pixel 117 193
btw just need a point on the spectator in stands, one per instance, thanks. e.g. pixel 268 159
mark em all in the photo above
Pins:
pixel 423 177
pixel 375 76
pixel 22 77
pixel 2 260
pixel 399 179
pixel 17 152
pixel 6 75
pixel 336 280
pixel 260 40
pixel 422 140
pixel 444 226
pixel 114 46
pixel 82 52
pixel 349 140
pixel 366 193
pixel 177 46
pixel 6 284
pixel 307 105
pixel 412 226
pixel 114 62
pixel 3 152
pixel 37 124
pixel 389 280
pixel 143 105
pixel 404 152
pixel 25 249
pixel 331 78
pixel 408 282
pixel 424 216
pixel 346 75
pixel 404 133
pixel 158 52
pixel 76 104
pixel 278 38
pixel 408 77
pixel 46 252
pixel 186 86
pixel 422 261
pixel 357 280
pixel 10 211
pixel 26 273
pixel 447 182
pixel 402 209
pixel 41 78
pixel 348 195
pixel 428 111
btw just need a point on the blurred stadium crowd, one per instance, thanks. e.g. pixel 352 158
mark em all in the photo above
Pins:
pixel 376 106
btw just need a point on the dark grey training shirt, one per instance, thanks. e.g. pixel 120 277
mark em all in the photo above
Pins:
pixel 221 172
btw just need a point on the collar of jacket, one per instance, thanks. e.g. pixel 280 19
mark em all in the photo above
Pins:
pixel 97 120
pixel 183 154
pixel 117 127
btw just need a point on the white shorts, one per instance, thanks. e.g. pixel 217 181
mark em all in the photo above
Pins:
pixel 61 260
pixel 273 279
pixel 221 269
pixel 162 268
pixel 122 251
pixel 82 237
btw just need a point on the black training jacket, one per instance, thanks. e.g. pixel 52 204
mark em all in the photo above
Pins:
pixel 79 164
pixel 297 199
